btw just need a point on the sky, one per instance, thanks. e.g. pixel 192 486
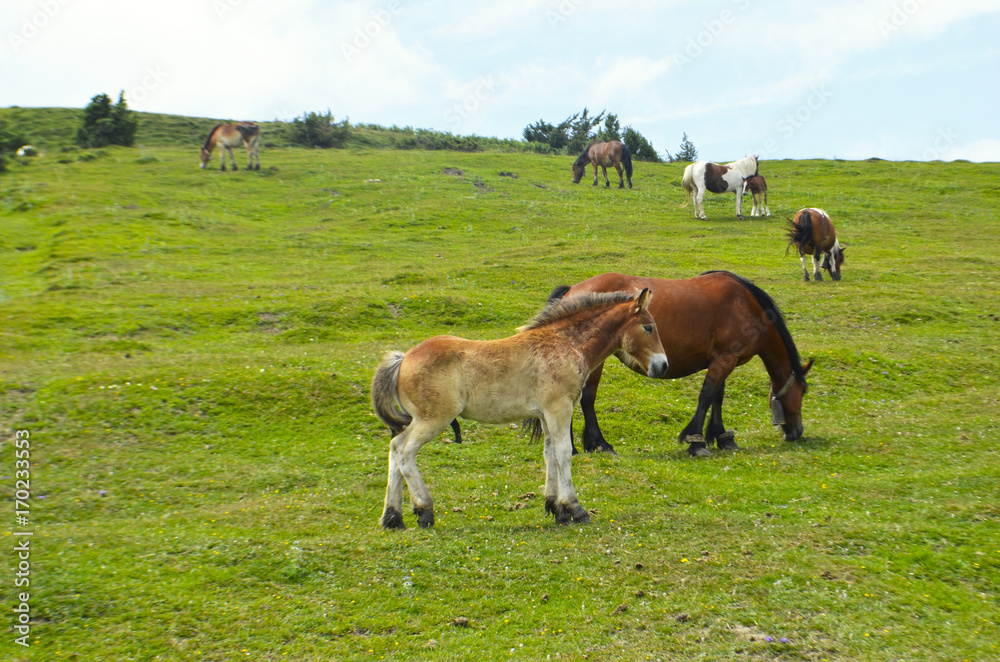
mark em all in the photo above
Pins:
pixel 849 79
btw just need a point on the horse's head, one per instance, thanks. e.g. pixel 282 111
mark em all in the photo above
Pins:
pixel 833 260
pixel 578 169
pixel 786 404
pixel 641 347
pixel 205 156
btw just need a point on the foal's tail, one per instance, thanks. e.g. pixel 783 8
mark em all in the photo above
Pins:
pixel 385 398
pixel 627 161
pixel 688 183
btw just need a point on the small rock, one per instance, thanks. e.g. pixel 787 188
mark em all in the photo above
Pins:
pixel 682 618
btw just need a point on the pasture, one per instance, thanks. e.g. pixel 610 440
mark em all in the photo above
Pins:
pixel 191 352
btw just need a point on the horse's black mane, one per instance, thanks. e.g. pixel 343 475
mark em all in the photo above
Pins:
pixel 777 319
pixel 557 308
pixel 208 138
pixel 583 159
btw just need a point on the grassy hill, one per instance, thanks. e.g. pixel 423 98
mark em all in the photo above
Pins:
pixel 190 353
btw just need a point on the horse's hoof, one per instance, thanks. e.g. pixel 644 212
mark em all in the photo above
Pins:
pixel 727 441
pixel 698 450
pixel 425 517
pixel 392 519
pixel 257 167
pixel 580 515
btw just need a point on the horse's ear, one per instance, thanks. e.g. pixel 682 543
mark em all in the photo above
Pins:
pixel 808 366
pixel 642 301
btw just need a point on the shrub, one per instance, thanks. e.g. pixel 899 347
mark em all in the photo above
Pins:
pixel 319 130
pixel 104 124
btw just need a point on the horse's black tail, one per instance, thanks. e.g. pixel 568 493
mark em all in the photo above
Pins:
pixel 627 160
pixel 800 230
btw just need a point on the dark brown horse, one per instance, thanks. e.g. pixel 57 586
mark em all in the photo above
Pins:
pixel 812 232
pixel 715 322
pixel 597 153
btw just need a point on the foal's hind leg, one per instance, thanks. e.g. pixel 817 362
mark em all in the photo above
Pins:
pixel 402 465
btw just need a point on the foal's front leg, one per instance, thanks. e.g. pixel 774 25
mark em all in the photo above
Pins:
pixel 560 495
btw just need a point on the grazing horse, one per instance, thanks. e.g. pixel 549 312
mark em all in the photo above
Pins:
pixel 715 322
pixel 597 153
pixel 227 136
pixel 704 176
pixel 756 185
pixel 811 231
pixel 537 373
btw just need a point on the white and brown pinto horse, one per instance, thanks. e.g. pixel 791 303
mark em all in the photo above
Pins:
pixel 537 373
pixel 703 176
pixel 227 136
pixel 756 186
pixel 812 232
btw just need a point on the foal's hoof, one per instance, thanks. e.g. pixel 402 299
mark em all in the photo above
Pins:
pixel 727 441
pixel 392 519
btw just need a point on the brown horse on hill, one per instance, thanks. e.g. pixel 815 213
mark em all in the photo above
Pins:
pixel 715 322
pixel 812 231
pixel 227 136
pixel 537 373
pixel 597 153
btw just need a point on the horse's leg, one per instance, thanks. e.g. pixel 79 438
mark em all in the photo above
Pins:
pixel 594 163
pixel 222 153
pixel 739 206
pixel 420 496
pixel 560 494
pixel 716 430
pixel 621 177
pixel 392 512
pixel 232 157
pixel 699 204
pixel 607 182
pixel 817 272
pixel 593 438
pixel 715 381
pixel 805 269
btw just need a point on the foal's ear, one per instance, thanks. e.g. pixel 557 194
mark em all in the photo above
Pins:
pixel 808 366
pixel 642 301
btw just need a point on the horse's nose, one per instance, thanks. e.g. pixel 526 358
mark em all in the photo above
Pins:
pixel 658 366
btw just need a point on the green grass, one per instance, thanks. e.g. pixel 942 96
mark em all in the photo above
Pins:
pixel 191 352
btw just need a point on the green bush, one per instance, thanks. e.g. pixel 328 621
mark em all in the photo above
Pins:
pixel 319 130
pixel 104 124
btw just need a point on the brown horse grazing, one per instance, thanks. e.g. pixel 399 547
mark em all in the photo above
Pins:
pixel 537 373
pixel 756 185
pixel 227 136
pixel 597 153
pixel 715 322
pixel 811 231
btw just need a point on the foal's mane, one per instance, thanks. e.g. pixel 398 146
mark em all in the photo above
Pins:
pixel 208 139
pixel 776 318
pixel 557 309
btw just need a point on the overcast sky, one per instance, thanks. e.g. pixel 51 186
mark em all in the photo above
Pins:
pixel 896 79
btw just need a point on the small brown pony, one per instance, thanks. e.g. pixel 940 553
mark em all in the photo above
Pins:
pixel 597 153
pixel 715 322
pixel 537 373
pixel 756 186
pixel 811 231
pixel 227 136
